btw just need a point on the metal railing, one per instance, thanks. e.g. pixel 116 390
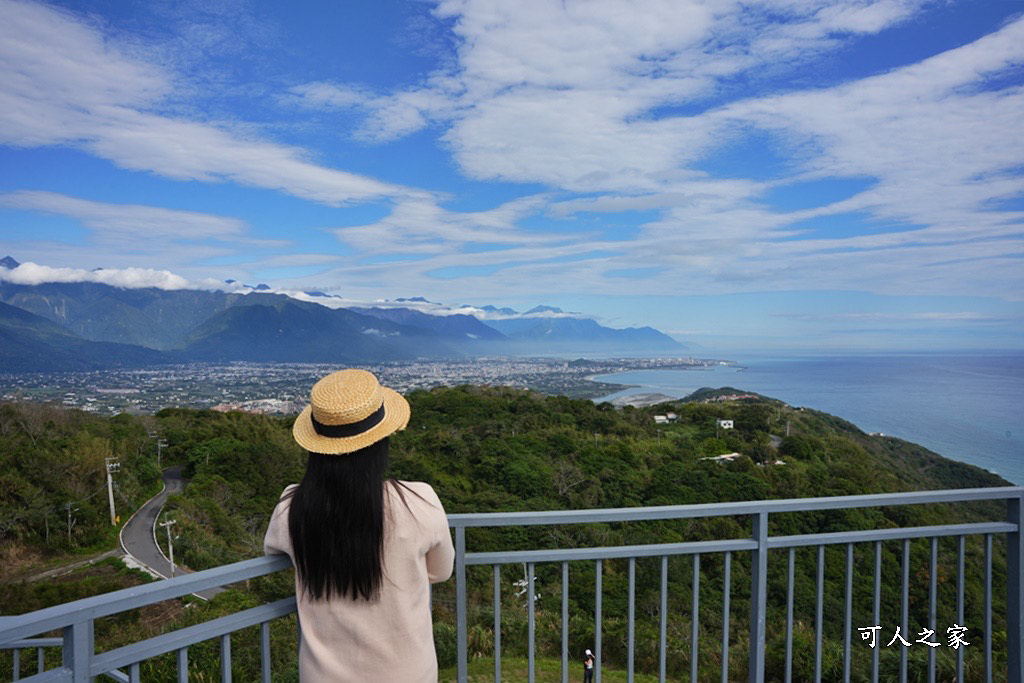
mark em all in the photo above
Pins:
pixel 758 545
pixel 80 662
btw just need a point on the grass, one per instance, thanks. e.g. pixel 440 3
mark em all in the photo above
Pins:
pixel 547 670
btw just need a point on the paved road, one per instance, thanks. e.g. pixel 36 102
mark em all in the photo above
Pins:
pixel 137 535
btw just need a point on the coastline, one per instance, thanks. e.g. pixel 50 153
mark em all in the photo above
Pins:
pixel 967 408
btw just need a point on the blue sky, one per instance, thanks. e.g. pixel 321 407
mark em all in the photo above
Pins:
pixel 786 174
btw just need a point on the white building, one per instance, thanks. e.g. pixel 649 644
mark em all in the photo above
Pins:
pixel 660 419
pixel 728 457
pixel 724 424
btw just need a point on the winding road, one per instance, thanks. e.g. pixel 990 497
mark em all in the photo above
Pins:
pixel 138 537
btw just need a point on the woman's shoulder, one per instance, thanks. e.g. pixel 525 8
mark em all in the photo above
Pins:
pixel 286 495
pixel 421 490
pixel 284 501
pixel 418 486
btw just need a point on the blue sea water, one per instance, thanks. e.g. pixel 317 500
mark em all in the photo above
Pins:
pixel 968 408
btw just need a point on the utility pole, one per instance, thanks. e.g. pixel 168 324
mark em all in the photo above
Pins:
pixel 167 524
pixel 160 445
pixel 112 466
pixel 71 524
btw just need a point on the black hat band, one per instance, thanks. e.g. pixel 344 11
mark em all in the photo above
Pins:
pixel 351 429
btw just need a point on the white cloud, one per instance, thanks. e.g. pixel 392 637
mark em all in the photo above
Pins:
pixel 562 93
pixel 63 82
pixel 129 278
pixel 294 260
pixel 321 95
pixel 120 221
pixel 428 307
pixel 573 95
pixel 421 225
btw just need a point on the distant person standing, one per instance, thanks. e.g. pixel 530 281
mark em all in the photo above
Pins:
pixel 588 667
pixel 365 548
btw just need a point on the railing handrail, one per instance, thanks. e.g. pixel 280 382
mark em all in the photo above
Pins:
pixel 734 545
pixel 28 643
pixel 183 637
pixel 87 609
pixel 752 507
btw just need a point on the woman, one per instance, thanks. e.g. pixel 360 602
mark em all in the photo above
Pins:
pixel 588 667
pixel 365 550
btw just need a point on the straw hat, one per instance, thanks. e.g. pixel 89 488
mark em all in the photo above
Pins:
pixel 349 410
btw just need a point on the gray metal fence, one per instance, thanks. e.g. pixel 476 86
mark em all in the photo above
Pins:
pixel 80 662
pixel 758 545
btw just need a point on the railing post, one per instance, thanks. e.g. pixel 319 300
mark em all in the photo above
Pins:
pixel 1014 592
pixel 565 623
pixel 597 621
pixel 78 650
pixel 758 597
pixel 225 658
pixel 182 659
pixel 531 626
pixel 460 603
pixel 497 623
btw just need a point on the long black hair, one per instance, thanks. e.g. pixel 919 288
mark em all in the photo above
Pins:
pixel 336 523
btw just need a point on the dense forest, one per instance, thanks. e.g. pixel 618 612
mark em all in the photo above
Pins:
pixel 498 449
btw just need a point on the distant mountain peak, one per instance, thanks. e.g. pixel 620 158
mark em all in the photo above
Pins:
pixel 504 311
pixel 416 299
pixel 544 309
pixel 230 281
pixel 9 263
pixel 262 287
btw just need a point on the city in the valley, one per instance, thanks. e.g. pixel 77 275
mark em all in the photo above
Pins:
pixel 283 388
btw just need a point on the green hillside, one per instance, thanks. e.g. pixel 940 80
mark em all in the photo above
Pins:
pixel 490 449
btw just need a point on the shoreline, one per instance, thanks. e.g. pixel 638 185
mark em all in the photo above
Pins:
pixel 920 408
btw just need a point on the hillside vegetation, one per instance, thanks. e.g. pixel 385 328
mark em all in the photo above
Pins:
pixel 496 449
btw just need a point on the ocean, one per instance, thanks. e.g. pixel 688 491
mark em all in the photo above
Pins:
pixel 968 408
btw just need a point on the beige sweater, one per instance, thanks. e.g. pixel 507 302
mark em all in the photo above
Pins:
pixel 390 639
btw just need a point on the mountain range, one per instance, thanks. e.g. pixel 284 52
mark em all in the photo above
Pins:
pixel 89 325
pixel 30 343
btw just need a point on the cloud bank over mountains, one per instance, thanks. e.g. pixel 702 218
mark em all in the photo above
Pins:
pixel 128 278
pixel 32 274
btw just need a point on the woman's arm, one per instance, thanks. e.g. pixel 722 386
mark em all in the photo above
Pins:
pixel 278 540
pixel 441 556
